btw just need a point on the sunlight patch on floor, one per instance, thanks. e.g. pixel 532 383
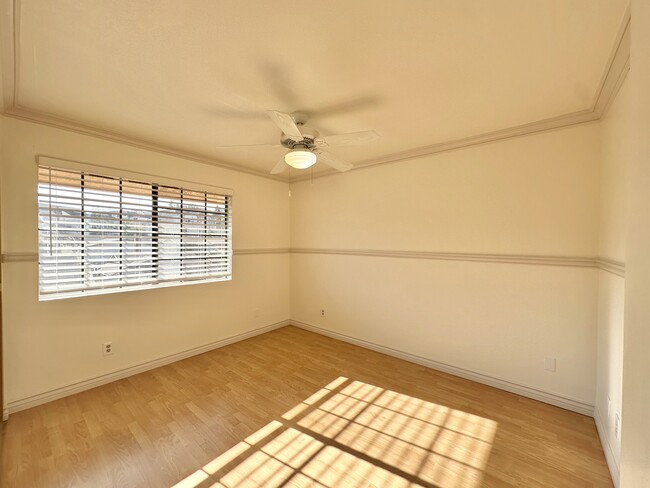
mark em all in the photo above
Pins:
pixel 355 434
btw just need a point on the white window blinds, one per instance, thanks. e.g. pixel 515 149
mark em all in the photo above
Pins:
pixel 105 233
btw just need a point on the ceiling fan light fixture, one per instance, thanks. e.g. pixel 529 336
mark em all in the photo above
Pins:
pixel 300 158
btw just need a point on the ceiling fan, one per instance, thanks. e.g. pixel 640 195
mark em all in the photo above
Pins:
pixel 306 145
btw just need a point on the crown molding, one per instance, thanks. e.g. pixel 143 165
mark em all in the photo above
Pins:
pixel 8 29
pixel 28 115
pixel 575 118
pixel 613 76
pixel 616 68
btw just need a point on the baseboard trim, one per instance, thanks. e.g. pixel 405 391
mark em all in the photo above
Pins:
pixel 77 387
pixel 607 448
pixel 523 390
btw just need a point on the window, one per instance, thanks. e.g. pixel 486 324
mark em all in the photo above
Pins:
pixel 100 234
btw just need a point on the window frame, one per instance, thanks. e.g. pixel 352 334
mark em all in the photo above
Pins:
pixel 156 182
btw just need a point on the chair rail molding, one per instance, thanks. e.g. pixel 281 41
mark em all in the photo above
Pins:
pixel 605 264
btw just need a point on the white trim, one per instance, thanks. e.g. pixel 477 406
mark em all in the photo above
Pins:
pixel 67 390
pixel 613 73
pixel 617 67
pixel 548 260
pixel 607 448
pixel 554 123
pixel 8 30
pixel 5 414
pixel 605 264
pixel 612 78
pixel 268 250
pixel 32 257
pixel 615 267
pixel 104 170
pixel 19 257
pixel 523 390
pixel 610 266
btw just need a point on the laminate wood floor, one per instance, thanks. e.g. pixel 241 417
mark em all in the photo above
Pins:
pixel 296 409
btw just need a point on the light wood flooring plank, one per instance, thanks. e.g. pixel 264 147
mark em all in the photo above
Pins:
pixel 384 423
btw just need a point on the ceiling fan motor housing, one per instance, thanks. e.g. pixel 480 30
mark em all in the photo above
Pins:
pixel 308 139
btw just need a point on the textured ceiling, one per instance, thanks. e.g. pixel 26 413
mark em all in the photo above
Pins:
pixel 196 74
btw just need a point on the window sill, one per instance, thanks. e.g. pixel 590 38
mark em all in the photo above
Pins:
pixel 129 288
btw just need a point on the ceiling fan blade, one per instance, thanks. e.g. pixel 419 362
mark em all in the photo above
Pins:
pixel 227 112
pixel 334 161
pixel 351 139
pixel 247 145
pixel 279 167
pixel 280 83
pixel 285 123
pixel 346 106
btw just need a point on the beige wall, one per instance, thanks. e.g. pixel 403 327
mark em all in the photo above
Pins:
pixel 56 343
pixel 527 195
pixel 615 138
pixel 532 195
pixel 635 448
pixel 615 155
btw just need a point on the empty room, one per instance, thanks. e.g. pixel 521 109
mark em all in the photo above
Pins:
pixel 342 243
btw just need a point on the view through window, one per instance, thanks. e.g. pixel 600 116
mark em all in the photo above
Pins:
pixel 103 233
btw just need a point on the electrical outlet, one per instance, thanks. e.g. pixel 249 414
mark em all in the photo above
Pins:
pixel 107 348
pixel 550 364
pixel 617 427
pixel 322 312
